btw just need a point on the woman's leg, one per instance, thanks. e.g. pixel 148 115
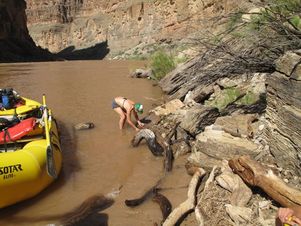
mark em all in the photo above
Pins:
pixel 122 116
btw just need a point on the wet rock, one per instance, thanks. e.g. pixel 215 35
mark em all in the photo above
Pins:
pixel 141 73
pixel 84 125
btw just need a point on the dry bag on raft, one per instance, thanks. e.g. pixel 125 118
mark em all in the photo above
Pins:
pixel 7 98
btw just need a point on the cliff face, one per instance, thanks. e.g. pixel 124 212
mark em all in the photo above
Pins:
pixel 284 112
pixel 15 41
pixel 59 24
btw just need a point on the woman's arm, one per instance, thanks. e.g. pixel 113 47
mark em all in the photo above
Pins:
pixel 128 118
pixel 137 119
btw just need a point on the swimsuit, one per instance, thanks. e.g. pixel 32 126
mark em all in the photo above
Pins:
pixel 115 105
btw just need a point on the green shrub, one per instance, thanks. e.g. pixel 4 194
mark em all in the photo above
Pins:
pixel 227 96
pixel 161 63
pixel 296 21
pixel 248 99
pixel 280 11
pixel 234 19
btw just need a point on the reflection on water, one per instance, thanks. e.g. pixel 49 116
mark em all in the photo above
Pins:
pixel 97 160
pixel 15 69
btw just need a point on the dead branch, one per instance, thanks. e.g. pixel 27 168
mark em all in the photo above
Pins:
pixel 187 205
pixel 164 204
pixel 148 194
pixel 256 174
pixel 168 159
pixel 197 211
pixel 151 141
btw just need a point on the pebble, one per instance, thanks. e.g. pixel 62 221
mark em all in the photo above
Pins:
pixel 264 204
pixel 261 127
pixel 285 180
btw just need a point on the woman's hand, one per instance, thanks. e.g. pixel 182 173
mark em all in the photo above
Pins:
pixel 286 216
pixel 140 124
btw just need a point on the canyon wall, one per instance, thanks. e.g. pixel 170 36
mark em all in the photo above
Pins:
pixel 59 24
pixel 15 41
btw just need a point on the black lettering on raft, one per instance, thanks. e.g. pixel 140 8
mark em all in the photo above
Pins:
pixel 10 169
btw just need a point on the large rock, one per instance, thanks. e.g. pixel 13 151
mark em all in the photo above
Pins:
pixel 220 145
pixel 283 131
pixel 237 125
pixel 197 118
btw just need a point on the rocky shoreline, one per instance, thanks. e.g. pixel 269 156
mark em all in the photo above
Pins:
pixel 249 117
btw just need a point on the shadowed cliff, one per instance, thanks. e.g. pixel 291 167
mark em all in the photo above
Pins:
pixel 96 52
pixel 16 45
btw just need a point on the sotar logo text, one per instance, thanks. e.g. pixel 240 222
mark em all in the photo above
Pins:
pixel 10 169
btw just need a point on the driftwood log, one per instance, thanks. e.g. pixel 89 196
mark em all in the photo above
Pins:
pixel 151 141
pixel 147 195
pixel 164 204
pixel 203 187
pixel 255 174
pixel 190 202
pixel 87 213
pixel 168 159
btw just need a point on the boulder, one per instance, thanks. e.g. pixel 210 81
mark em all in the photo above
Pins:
pixel 218 144
pixel 197 118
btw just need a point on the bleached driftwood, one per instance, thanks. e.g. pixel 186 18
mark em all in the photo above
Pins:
pixel 240 215
pixel 187 205
pixel 256 174
pixel 197 211
pixel 240 192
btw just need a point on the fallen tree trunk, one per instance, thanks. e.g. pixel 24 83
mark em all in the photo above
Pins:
pixel 256 174
pixel 190 202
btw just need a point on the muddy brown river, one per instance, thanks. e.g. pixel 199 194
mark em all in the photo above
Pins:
pixel 99 160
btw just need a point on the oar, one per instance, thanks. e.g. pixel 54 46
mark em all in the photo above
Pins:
pixel 50 164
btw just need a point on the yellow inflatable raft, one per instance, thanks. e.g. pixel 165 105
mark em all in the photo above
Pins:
pixel 28 165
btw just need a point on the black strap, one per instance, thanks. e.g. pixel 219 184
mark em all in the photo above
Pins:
pixel 6 134
pixel 124 99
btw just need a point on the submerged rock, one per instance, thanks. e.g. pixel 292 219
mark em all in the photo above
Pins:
pixel 84 125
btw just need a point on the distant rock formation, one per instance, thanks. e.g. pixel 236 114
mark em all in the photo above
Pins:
pixel 124 24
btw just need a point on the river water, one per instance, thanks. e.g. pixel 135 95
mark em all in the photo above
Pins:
pixel 97 160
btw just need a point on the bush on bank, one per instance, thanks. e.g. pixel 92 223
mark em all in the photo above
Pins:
pixel 161 63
